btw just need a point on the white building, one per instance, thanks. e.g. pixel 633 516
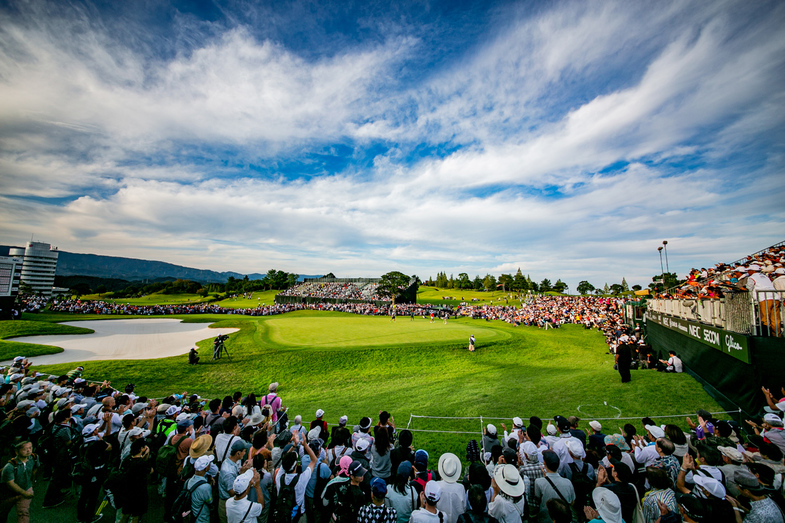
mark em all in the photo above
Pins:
pixel 38 267
pixel 10 273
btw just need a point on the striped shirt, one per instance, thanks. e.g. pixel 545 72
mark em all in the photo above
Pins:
pixel 651 511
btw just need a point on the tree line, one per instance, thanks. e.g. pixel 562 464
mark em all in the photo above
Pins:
pixel 506 282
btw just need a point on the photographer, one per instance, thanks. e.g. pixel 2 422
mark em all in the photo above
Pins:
pixel 193 356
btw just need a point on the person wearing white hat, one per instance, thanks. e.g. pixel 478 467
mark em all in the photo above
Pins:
pixel 608 507
pixel 453 498
pixel 645 452
pixel 319 422
pixel 508 501
pixel 490 438
pixel 429 498
pixel 238 508
pixel 201 491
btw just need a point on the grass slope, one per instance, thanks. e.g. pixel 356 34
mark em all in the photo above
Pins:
pixel 152 299
pixel 435 296
pixel 520 371
pixel 266 297
pixel 15 329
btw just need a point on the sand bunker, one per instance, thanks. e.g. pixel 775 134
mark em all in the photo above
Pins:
pixel 125 340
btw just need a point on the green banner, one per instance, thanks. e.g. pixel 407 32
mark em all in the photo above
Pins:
pixel 728 342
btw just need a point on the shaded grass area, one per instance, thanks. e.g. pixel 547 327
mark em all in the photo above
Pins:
pixel 19 328
pixel 521 371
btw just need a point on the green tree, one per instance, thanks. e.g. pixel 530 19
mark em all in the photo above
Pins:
pixel 636 287
pixel 451 282
pixel 329 275
pixel 545 285
pixel 605 289
pixel 506 282
pixel 624 285
pixel 392 284
pixel 80 289
pixel 664 281
pixel 463 281
pixel 519 282
pixel 489 283
pixel 477 283
pixel 585 287
pixel 616 289
pixel 560 286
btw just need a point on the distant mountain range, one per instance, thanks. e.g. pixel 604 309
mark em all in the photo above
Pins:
pixel 132 269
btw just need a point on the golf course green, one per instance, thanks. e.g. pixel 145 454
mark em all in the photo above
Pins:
pixel 360 365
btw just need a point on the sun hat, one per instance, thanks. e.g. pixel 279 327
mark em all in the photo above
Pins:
pixel 433 492
pixel 731 453
pixel 203 462
pixel 655 431
pixel 256 419
pixel 379 487
pixel 509 480
pixel 449 467
pixel 315 432
pixel 596 425
pixel 575 448
pixel 618 440
pixel 319 413
pixel 714 487
pixel 200 446
pixel 182 417
pixel 607 504
pixel 242 481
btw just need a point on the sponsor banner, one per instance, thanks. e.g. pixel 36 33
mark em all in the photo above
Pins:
pixel 728 342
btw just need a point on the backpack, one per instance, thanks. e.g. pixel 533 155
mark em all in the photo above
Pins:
pixel 188 470
pixel 320 484
pixel 166 460
pixel 285 506
pixel 49 448
pixel 181 508
pixel 582 484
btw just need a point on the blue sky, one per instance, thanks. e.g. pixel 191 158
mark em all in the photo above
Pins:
pixel 565 138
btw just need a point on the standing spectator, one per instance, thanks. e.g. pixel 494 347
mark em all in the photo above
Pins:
pixel 286 475
pixel 428 513
pixel 61 450
pixel 230 469
pixel 624 361
pixel 596 438
pixel 137 474
pixel 376 511
pixel 238 508
pixel 273 400
pixel 453 499
pixel 17 476
pixel 202 496
pixel 349 497
pixel 94 470
pixel 551 486
pixel 381 464
pixel 508 502
pixel 402 496
pixel 324 433
pixel 477 508
pixel 404 451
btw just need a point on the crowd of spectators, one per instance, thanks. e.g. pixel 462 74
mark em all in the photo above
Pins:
pixel 764 270
pixel 242 458
pixel 336 290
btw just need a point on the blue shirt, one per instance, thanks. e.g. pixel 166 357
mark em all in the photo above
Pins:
pixel 324 472
pixel 229 472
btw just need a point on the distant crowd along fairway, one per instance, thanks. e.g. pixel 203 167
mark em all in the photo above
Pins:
pixel 359 365
pixel 152 299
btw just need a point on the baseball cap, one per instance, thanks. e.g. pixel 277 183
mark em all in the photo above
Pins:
pixel 203 462
pixel 714 487
pixel 433 491
pixel 596 425
pixel 655 431
pixel 490 428
pixel 356 469
pixel 421 456
pixel 171 411
pixel 242 481
pixel 517 422
pixel 362 444
pixel 319 413
pixel 379 487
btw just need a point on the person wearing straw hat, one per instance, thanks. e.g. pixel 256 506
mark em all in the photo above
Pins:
pixel 453 498
pixel 508 502
pixel 608 507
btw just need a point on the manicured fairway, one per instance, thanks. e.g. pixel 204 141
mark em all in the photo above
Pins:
pixel 422 369
pixel 362 331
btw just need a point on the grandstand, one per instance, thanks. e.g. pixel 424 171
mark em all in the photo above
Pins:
pixel 343 290
pixel 725 323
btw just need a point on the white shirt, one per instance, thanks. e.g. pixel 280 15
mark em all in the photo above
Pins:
pixel 646 455
pixel 760 282
pixel 675 362
pixel 236 509
pixel 221 443
pixel 423 516
pixel 505 510
pixel 452 501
